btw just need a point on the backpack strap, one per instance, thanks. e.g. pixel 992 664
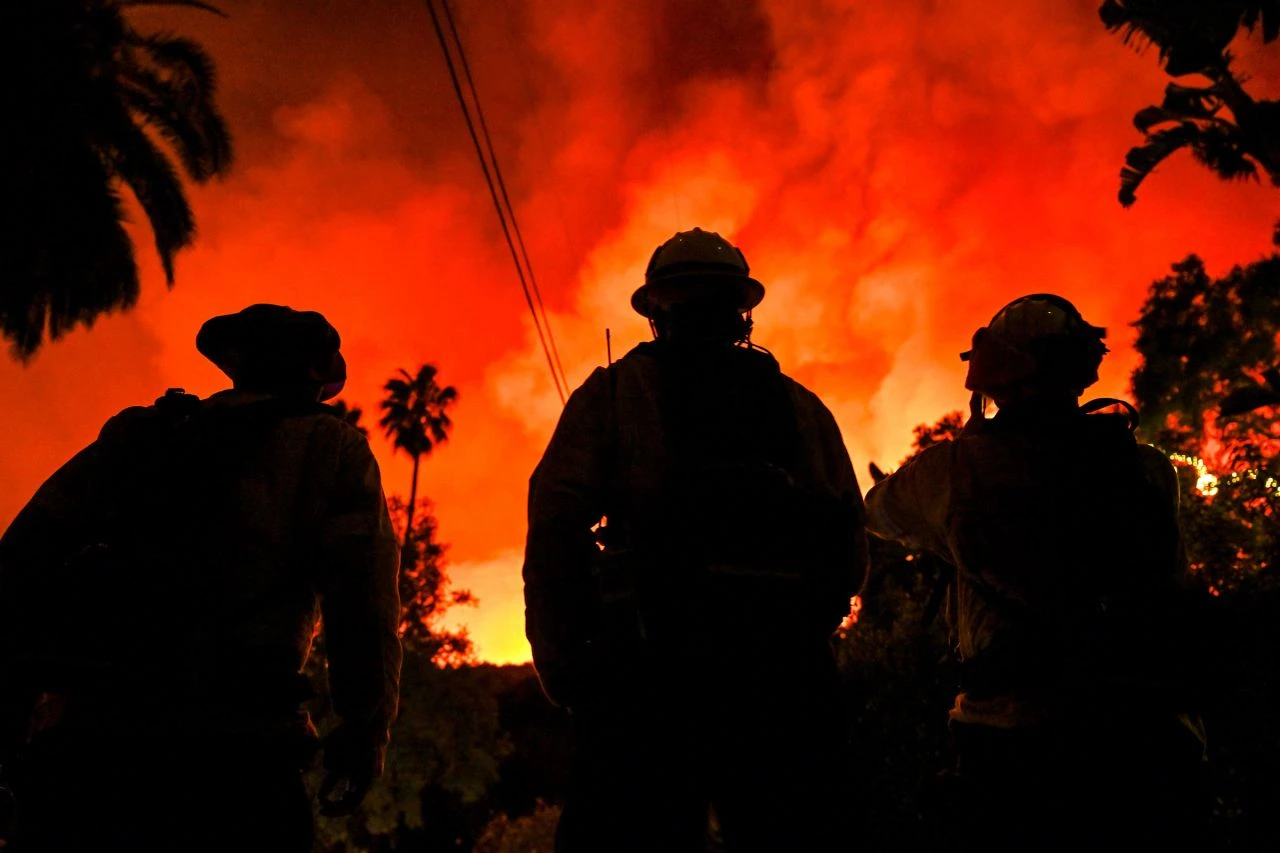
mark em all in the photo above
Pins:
pixel 1130 411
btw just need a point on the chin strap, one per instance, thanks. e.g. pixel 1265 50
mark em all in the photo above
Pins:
pixel 977 411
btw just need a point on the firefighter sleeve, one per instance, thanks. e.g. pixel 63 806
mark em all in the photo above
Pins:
pixel 360 600
pixel 848 533
pixel 43 536
pixel 566 500
pixel 910 506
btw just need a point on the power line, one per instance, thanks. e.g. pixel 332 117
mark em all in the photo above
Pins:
pixel 544 338
pixel 502 185
pixel 538 125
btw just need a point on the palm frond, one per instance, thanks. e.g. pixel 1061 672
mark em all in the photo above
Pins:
pixel 1116 17
pixel 1191 101
pixel 1141 160
pixel 89 114
pixel 1149 117
pixel 67 255
pixel 185 63
pixel 1220 149
pixel 158 188
pixel 1191 35
pixel 204 147
pixel 171 83
pixel 415 415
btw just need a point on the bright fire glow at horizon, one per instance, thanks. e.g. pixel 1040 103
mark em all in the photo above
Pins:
pixel 893 172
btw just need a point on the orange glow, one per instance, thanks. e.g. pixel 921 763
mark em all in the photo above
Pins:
pixel 855 608
pixel 894 172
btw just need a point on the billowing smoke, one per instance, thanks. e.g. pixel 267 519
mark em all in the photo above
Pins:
pixel 894 173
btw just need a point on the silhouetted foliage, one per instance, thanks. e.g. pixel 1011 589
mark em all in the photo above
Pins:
pixel 1208 344
pixel 927 435
pixel 350 415
pixel 425 593
pixel 532 833
pixel 1225 127
pixel 92 105
pixel 415 416
pixel 445 752
pixel 476 758
pixel 1207 390
pixel 900 678
pixel 449 741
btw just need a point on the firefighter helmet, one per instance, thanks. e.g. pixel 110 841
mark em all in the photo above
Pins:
pixel 697 263
pixel 1036 343
pixel 274 345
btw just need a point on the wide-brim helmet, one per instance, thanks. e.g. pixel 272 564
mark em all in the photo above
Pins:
pixel 1038 342
pixel 694 265
pixel 274 345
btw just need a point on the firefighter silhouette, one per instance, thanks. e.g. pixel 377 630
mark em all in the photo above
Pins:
pixel 159 596
pixel 1062 531
pixel 689 633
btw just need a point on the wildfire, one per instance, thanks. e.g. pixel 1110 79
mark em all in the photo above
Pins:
pixel 1208 483
pixel 855 607
pixel 882 165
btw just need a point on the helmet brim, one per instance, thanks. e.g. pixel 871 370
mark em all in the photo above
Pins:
pixel 746 291
pixel 272 339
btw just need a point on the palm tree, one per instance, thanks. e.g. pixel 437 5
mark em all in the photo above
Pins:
pixel 415 417
pixel 1225 127
pixel 92 106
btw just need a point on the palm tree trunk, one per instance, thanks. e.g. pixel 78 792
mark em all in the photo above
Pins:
pixel 413 499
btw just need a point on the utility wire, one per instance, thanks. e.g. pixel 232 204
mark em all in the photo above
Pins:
pixel 556 376
pixel 502 186
pixel 531 97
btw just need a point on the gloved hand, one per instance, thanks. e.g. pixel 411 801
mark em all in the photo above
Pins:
pixel 352 760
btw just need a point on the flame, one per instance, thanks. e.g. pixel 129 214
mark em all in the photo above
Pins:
pixel 1208 483
pixel 851 619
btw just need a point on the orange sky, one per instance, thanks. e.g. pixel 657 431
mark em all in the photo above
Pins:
pixel 894 172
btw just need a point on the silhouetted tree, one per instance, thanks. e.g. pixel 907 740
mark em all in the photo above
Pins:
pixel 426 593
pixel 447 742
pixel 926 435
pixel 415 416
pixel 350 415
pixel 446 750
pixel 1207 390
pixel 1208 394
pixel 92 105
pixel 1225 127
